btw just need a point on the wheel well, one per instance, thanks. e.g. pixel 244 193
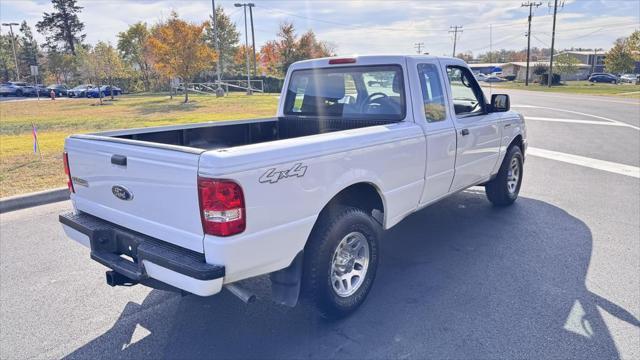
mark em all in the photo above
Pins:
pixel 364 196
pixel 518 142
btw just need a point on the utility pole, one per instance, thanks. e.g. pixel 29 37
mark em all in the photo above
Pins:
pixel 553 38
pixel 595 60
pixel 246 46
pixel 456 29
pixel 216 40
pixel 530 5
pixel 253 40
pixel 13 45
pixel 418 47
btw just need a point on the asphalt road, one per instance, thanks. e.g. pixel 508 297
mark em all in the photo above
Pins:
pixel 557 275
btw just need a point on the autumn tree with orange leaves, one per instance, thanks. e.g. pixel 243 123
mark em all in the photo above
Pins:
pixel 179 50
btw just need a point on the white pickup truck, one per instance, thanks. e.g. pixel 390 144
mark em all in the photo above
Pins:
pixel 357 145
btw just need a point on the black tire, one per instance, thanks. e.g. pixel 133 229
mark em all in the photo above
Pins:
pixel 18 93
pixel 319 254
pixel 498 190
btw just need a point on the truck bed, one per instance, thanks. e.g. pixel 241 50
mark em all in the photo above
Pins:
pixel 226 134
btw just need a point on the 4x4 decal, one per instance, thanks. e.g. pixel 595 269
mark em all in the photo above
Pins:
pixel 273 175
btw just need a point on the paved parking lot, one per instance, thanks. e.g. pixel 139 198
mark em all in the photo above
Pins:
pixel 557 275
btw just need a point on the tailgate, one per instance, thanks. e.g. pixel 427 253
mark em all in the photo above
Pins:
pixel 157 188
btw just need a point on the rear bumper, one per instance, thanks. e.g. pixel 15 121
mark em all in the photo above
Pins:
pixel 150 258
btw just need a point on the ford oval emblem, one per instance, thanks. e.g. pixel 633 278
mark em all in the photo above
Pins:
pixel 122 193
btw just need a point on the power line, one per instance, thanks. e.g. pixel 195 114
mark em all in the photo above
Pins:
pixel 419 46
pixel 456 29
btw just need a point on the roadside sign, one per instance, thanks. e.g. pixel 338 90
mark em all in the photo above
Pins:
pixel 34 70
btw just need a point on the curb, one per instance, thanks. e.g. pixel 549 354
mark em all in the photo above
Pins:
pixel 33 199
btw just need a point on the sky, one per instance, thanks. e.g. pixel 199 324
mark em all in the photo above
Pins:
pixel 373 26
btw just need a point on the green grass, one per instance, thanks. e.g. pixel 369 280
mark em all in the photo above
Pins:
pixel 22 171
pixel 578 87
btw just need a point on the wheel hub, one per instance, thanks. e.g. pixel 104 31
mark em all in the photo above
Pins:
pixel 349 264
pixel 513 175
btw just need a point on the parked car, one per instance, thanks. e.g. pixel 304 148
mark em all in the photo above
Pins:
pixel 105 90
pixel 80 90
pixel 493 79
pixel 603 78
pixel 13 88
pixel 58 89
pixel 630 78
pixel 480 76
pixel 303 196
pixel 33 90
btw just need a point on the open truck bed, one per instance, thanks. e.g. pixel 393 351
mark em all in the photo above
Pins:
pixel 225 134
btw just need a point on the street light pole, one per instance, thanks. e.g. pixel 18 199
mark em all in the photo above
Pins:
pixel 246 46
pixel 13 45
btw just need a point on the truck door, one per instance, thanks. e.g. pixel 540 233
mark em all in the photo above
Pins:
pixel 478 133
pixel 434 116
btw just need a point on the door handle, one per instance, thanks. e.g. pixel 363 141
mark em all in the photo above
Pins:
pixel 119 160
pixel 464 132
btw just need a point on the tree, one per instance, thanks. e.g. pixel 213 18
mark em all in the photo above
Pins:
pixel 228 37
pixel 62 28
pixel 7 63
pixel 134 49
pixel 240 58
pixel 108 65
pixel 566 64
pixel 620 58
pixel 467 57
pixel 61 66
pixel 179 50
pixel 28 53
pixel 287 45
pixel 634 44
pixel 288 49
pixel 269 59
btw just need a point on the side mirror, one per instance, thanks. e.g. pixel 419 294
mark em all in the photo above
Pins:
pixel 500 103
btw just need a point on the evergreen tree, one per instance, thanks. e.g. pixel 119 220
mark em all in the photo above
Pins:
pixel 62 28
pixel 28 53
pixel 229 39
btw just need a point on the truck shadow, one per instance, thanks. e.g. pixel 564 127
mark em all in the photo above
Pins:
pixel 459 279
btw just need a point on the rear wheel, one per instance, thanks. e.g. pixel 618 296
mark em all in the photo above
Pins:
pixel 341 259
pixel 504 188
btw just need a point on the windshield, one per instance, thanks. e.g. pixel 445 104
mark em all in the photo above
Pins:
pixel 363 92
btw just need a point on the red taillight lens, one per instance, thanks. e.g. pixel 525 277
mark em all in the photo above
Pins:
pixel 221 207
pixel 342 61
pixel 67 170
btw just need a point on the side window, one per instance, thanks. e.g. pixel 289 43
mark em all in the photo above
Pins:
pixel 432 94
pixel 466 94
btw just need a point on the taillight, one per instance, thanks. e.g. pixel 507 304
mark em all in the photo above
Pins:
pixel 67 170
pixel 221 207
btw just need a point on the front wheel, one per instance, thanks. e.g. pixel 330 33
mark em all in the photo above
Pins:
pixel 504 188
pixel 341 259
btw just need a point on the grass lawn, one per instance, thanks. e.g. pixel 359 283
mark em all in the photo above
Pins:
pixel 578 87
pixel 22 171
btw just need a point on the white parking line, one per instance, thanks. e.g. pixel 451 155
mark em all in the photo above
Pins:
pixel 591 122
pixel 578 113
pixel 609 166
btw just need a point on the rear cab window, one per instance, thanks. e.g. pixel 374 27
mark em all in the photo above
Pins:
pixel 354 92
pixel 432 93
